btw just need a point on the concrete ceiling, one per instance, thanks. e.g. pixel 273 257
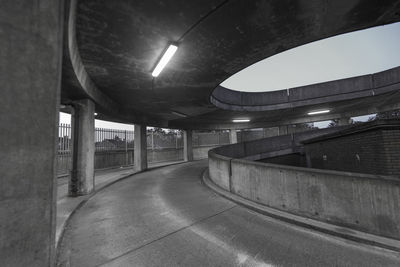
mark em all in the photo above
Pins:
pixel 111 48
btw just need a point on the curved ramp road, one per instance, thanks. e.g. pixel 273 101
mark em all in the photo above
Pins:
pixel 167 217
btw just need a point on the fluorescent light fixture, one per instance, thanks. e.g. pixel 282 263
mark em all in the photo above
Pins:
pixel 164 60
pixel 318 112
pixel 240 120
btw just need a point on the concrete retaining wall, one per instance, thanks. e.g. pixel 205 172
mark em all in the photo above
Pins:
pixel 201 152
pixel 220 170
pixel 165 154
pixel 107 159
pixel 368 203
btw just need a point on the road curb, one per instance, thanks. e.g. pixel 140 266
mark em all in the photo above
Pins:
pixel 338 231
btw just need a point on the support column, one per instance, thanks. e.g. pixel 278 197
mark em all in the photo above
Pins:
pixel 82 173
pixel 232 136
pixel 140 147
pixel 188 145
pixel 30 71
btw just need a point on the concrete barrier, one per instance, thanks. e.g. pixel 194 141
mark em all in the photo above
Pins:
pixel 364 202
pixel 164 154
pixel 326 92
pixel 201 152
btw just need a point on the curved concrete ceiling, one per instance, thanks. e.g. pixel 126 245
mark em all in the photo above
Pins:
pixel 118 43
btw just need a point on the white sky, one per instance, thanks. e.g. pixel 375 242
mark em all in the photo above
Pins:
pixel 348 55
pixel 66 118
pixel 353 54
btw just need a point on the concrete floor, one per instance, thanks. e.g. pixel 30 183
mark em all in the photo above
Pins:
pixel 66 205
pixel 167 217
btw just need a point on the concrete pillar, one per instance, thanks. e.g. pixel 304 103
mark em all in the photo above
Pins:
pixel 188 145
pixel 140 147
pixel 233 136
pixel 344 121
pixel 30 71
pixel 283 130
pixel 82 173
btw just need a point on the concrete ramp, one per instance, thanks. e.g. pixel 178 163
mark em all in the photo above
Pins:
pixel 167 217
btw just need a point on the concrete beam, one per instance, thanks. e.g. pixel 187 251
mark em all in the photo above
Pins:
pixel 188 145
pixel 232 136
pixel 192 124
pixel 140 147
pixel 82 173
pixel 30 71
pixel 73 60
pixel 315 94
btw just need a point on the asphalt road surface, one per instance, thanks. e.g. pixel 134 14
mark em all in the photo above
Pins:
pixel 167 217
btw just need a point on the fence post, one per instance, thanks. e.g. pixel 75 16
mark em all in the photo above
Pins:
pixel 126 150
pixel 152 140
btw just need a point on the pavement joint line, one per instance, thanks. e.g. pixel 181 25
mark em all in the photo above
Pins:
pixel 378 242
pixel 167 235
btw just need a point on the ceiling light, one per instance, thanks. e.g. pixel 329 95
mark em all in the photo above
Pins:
pixel 240 120
pixel 318 112
pixel 164 60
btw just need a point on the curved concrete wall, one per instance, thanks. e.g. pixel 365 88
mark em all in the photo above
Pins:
pixel 368 203
pixel 344 89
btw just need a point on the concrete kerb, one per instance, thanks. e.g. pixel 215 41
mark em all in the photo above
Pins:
pixel 88 197
pixel 343 233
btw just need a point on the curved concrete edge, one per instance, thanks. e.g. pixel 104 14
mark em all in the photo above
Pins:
pixel 109 109
pixel 81 201
pixel 83 78
pixel 337 231
pixel 320 93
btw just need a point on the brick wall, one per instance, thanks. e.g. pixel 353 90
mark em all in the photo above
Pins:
pixel 295 159
pixel 371 148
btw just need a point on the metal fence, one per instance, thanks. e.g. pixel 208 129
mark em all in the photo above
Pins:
pixel 213 138
pixel 115 148
pixel 161 140
pixel 114 140
pixel 64 149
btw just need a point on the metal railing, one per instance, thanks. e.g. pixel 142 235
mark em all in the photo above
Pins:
pixel 115 148
pixel 110 139
pixel 64 149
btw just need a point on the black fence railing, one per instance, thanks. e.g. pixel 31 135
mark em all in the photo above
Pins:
pixel 115 148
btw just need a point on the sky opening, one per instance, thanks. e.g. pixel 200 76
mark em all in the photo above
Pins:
pixel 343 56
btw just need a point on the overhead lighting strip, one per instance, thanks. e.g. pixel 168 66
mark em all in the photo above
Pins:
pixel 240 120
pixel 318 112
pixel 169 53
